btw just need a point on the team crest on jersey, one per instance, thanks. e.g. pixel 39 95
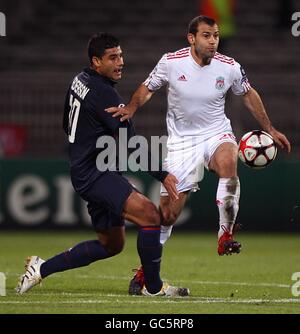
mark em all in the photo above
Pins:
pixel 220 83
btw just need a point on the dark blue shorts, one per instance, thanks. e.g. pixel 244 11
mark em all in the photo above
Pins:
pixel 106 198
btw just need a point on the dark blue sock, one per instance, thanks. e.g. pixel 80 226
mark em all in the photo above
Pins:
pixel 150 251
pixel 80 255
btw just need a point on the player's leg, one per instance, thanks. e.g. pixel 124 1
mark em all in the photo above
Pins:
pixel 110 242
pixel 170 212
pixel 224 163
pixel 105 199
pixel 185 160
pixel 123 202
pixel 141 211
pixel 111 238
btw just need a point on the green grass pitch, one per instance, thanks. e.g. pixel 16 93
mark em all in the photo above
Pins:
pixel 256 281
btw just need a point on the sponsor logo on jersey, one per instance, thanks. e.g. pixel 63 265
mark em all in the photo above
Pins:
pixel 220 83
pixel 182 78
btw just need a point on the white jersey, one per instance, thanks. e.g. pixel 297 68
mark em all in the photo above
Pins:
pixel 196 95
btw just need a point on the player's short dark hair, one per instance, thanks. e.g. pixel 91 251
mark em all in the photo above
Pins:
pixel 193 26
pixel 99 42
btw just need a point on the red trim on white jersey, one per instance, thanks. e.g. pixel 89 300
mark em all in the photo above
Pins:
pixel 223 58
pixel 246 85
pixel 179 54
pixel 183 56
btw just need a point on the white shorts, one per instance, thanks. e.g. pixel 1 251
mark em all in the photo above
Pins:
pixel 187 157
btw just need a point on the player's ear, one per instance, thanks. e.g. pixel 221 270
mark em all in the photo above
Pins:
pixel 96 61
pixel 191 38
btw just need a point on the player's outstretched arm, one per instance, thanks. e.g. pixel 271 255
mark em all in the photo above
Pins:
pixel 139 98
pixel 255 105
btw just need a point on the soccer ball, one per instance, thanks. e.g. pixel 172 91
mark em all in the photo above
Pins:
pixel 257 149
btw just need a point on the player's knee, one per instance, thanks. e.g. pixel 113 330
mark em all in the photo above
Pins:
pixel 227 168
pixel 168 217
pixel 151 215
pixel 114 249
pixel 171 219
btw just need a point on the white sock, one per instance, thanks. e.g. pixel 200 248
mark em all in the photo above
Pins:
pixel 228 195
pixel 165 233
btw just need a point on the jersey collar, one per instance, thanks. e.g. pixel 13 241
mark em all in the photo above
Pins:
pixel 196 65
pixel 92 72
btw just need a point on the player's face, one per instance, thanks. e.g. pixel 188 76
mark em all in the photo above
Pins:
pixel 205 43
pixel 111 63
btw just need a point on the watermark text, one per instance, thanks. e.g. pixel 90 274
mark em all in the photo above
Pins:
pixel 296 286
pixel 183 157
pixel 296 25
pixel 2 24
pixel 2 285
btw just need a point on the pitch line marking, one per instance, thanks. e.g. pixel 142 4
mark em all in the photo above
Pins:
pixel 263 284
pixel 108 277
pixel 165 301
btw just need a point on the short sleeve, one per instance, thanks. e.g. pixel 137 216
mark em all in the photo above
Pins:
pixel 240 82
pixel 159 76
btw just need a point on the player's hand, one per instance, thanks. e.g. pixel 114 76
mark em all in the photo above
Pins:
pixel 280 139
pixel 125 112
pixel 170 184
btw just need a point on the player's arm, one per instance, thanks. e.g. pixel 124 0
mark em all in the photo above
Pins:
pixel 169 180
pixel 139 98
pixel 156 79
pixel 169 183
pixel 66 112
pixel 255 105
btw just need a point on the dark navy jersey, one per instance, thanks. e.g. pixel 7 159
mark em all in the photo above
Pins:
pixel 85 120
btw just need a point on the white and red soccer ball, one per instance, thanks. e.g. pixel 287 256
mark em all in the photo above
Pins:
pixel 257 149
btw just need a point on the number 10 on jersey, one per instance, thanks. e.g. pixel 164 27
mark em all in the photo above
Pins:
pixel 73 117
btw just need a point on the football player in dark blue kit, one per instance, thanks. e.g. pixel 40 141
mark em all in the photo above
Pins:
pixel 111 198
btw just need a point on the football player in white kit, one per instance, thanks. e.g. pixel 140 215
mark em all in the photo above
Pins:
pixel 199 133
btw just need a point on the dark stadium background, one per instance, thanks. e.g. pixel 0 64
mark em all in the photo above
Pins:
pixel 45 46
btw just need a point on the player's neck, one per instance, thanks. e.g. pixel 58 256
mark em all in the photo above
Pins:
pixel 200 60
pixel 96 69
